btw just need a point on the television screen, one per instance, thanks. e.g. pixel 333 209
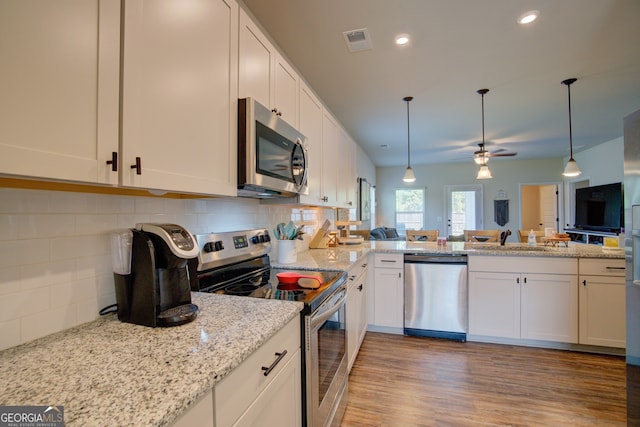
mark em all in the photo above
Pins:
pixel 599 208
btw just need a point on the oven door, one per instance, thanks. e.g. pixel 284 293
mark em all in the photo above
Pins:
pixel 326 380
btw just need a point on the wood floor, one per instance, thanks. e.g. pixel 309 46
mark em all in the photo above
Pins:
pixel 408 381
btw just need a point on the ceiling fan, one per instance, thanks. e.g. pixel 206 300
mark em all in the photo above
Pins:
pixel 481 157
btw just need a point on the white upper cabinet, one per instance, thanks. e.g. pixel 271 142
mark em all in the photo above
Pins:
pixel 179 95
pixel 311 127
pixel 346 171
pixel 330 141
pixel 59 86
pixel 264 74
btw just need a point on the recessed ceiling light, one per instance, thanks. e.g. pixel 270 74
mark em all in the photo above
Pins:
pixel 384 146
pixel 402 39
pixel 528 17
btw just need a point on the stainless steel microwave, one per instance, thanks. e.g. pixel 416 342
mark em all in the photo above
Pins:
pixel 272 157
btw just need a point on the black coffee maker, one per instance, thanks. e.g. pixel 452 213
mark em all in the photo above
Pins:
pixel 153 285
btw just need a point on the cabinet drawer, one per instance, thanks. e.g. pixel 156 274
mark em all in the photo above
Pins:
pixel 388 260
pixel 523 264
pixel 358 267
pixel 601 266
pixel 235 393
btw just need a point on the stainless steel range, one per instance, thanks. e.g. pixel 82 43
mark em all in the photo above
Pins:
pixel 237 263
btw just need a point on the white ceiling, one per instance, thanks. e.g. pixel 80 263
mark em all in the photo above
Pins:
pixel 458 47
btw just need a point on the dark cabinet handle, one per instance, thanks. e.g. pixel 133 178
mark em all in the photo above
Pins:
pixel 584 283
pixel 525 280
pixel 137 166
pixel 114 161
pixel 267 370
pixel 360 287
pixel 518 280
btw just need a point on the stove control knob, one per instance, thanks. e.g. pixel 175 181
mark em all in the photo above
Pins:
pixel 266 237
pixel 213 246
pixel 255 240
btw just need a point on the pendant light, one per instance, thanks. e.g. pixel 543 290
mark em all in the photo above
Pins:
pixel 571 169
pixel 409 176
pixel 484 172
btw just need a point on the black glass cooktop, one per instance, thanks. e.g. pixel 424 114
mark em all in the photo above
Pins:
pixel 267 285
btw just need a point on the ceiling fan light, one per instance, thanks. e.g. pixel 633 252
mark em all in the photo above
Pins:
pixel 409 176
pixel 571 169
pixel 484 172
pixel 481 158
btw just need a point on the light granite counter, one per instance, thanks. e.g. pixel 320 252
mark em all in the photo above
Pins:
pixel 343 256
pixel 109 373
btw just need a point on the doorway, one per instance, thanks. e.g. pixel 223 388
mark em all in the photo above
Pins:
pixel 464 208
pixel 539 206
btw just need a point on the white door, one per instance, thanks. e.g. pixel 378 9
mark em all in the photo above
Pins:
pixel 464 208
pixel 549 206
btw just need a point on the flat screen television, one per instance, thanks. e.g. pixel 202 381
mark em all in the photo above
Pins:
pixel 600 208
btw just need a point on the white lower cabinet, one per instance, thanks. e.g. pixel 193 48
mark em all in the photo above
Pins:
pixel 509 297
pixel 248 397
pixel 602 302
pixel 200 414
pixel 356 309
pixel 388 300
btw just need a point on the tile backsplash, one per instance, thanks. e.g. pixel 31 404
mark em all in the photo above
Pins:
pixel 55 265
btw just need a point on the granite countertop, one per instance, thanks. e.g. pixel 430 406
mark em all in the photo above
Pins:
pixel 342 257
pixel 107 372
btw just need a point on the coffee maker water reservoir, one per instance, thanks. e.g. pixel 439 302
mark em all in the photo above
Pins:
pixel 154 265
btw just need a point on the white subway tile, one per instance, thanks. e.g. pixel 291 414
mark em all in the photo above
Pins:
pixel 45 274
pixel 87 310
pixel 112 204
pixel 9 334
pixel 95 224
pixel 72 293
pixel 21 252
pixel 9 226
pixel 88 267
pixel 47 322
pixel 14 306
pixel 150 205
pixel 45 225
pixel 80 246
pixel 9 280
pixel 62 202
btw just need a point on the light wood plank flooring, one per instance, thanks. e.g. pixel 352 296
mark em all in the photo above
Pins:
pixel 409 381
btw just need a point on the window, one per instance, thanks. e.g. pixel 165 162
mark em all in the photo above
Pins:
pixel 410 207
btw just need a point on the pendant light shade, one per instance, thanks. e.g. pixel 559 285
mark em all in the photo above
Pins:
pixel 484 172
pixel 571 169
pixel 409 176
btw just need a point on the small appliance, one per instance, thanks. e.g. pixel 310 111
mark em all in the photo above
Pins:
pixel 272 155
pixel 154 265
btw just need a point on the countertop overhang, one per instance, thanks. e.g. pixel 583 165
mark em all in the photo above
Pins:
pixel 107 372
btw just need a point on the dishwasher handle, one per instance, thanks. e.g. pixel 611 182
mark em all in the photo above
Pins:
pixel 435 259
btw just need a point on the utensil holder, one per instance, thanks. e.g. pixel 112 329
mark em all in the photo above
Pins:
pixel 287 253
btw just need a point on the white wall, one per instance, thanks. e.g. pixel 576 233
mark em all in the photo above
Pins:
pixel 602 164
pixel 507 175
pixel 55 266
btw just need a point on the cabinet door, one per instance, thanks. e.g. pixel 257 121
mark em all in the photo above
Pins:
pixel 330 138
pixel 60 89
pixel 199 414
pixel 179 95
pixel 311 127
pixel 356 316
pixel 346 170
pixel 494 304
pixel 256 59
pixel 280 403
pixel 550 307
pixel 389 298
pixel 285 91
pixel 602 311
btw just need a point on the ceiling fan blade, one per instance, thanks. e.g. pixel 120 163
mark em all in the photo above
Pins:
pixel 502 154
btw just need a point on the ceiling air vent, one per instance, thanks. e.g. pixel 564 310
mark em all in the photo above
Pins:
pixel 357 40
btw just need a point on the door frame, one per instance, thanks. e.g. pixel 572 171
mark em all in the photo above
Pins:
pixel 559 201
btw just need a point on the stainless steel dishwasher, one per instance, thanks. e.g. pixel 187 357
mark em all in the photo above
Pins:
pixel 435 296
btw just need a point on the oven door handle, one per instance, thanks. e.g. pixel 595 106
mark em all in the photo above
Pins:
pixel 328 308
